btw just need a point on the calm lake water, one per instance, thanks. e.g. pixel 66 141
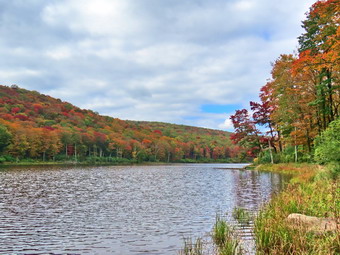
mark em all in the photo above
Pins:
pixel 121 209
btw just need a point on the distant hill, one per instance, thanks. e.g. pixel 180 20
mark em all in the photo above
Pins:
pixel 37 126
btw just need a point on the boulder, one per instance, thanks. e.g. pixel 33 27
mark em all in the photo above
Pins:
pixel 310 223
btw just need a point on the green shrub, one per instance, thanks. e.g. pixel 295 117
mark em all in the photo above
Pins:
pixel 9 158
pixel 264 158
pixel 287 155
pixel 331 171
pixel 327 145
pixel 63 157
pixel 5 137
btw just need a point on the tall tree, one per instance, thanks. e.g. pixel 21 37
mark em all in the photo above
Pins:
pixel 320 52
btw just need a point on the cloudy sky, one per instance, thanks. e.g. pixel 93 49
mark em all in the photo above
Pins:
pixel 181 61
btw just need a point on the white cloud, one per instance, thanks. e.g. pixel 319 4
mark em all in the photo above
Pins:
pixel 148 59
pixel 165 54
pixel 59 53
pixel 99 18
pixel 227 124
pixel 13 74
pixel 244 5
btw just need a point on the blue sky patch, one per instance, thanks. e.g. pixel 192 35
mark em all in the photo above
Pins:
pixel 220 108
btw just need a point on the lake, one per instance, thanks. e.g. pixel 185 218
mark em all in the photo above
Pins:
pixel 143 209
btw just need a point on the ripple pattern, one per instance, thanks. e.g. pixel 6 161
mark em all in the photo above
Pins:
pixel 121 209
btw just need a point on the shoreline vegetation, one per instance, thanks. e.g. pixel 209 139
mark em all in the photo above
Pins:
pixel 313 190
pixel 112 162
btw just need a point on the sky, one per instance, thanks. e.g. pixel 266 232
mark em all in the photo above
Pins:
pixel 191 62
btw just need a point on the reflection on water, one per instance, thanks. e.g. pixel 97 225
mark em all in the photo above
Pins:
pixel 249 186
pixel 121 209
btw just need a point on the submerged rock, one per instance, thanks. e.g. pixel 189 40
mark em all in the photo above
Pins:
pixel 311 223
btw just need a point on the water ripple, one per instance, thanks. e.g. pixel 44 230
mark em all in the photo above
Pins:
pixel 121 209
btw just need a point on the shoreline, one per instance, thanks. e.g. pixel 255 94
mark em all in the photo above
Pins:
pixel 72 163
pixel 310 192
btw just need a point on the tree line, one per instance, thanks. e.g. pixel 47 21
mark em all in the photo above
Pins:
pixel 301 98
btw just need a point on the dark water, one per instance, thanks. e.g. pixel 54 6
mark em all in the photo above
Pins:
pixel 121 209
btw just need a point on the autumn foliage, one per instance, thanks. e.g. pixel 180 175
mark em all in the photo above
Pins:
pixel 302 96
pixel 37 126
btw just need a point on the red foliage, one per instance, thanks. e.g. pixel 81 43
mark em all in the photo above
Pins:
pixel 37 108
pixel 70 150
pixel 146 141
pixel 7 116
pixel 99 137
pixel 261 113
pixel 49 128
pixel 15 110
pixel 65 114
pixel 128 148
pixel 244 127
pixel 157 132
pixel 21 117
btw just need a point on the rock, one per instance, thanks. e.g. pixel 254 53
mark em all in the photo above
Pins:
pixel 310 223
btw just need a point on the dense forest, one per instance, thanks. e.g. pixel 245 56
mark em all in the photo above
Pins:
pixel 301 98
pixel 34 126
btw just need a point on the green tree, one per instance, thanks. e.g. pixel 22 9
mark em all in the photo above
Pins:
pixel 328 144
pixel 5 138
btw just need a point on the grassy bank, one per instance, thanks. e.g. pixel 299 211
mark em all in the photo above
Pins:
pixel 89 161
pixel 313 191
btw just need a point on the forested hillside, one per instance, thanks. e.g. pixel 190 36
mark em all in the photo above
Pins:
pixel 36 126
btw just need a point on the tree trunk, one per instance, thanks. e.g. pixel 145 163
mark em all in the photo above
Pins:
pixel 296 155
pixel 330 92
pixel 273 137
pixel 279 138
pixel 271 153
pixel 75 152
pixel 169 153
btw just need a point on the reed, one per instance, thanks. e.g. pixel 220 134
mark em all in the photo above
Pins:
pixel 192 247
pixel 242 215
pixel 224 238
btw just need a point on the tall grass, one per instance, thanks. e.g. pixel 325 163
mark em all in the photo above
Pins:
pixel 192 247
pixel 313 191
pixel 224 238
pixel 225 241
pixel 309 195
pixel 242 215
